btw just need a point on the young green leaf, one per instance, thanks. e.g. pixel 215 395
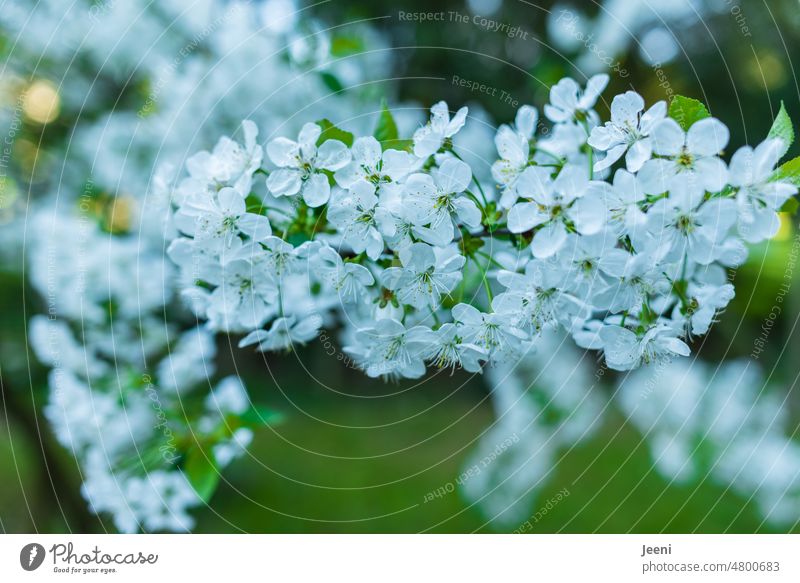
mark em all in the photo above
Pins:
pixel 790 206
pixel 789 171
pixel 343 46
pixel 332 82
pixel 386 129
pixel 687 111
pixel 782 128
pixel 201 469
pixel 331 132
pixel 258 415
pixel 399 144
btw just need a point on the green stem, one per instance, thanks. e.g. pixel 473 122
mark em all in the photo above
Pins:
pixel 435 318
pixel 555 157
pixel 474 199
pixel 489 258
pixel 475 180
pixel 585 126
pixel 485 280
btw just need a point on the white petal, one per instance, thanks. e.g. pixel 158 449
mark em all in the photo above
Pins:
pixel 306 328
pixel 707 137
pixel 316 190
pixel 620 346
pixel 525 121
pixel 397 164
pixel 255 226
pixel 763 224
pixel 604 137
pixel 625 108
pixel 426 142
pixel 656 175
pixel 564 95
pixel 467 211
pixel 250 131
pixel 588 214
pixel 712 173
pixel 418 256
pixel 283 152
pixel 718 214
pixel 524 216
pixel 309 134
pixel 284 181
pixel 611 156
pixel 458 121
pixel 231 201
pixel 656 113
pixel 677 346
pixel 668 138
pixel 332 155
pixel 453 176
pixel 367 151
pixel 594 87
pixel 549 239
pixel 767 155
pixel 511 146
pixel 556 115
pixel 639 153
pixel 775 194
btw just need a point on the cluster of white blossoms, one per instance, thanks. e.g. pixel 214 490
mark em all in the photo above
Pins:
pixel 620 233
pixel 721 423
pixel 134 392
pixel 127 392
pixel 544 405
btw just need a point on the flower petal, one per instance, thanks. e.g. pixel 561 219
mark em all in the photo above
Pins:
pixel 548 240
pixel 707 137
pixel 316 190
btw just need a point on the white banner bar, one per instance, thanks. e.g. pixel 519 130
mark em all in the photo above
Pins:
pixel 400 558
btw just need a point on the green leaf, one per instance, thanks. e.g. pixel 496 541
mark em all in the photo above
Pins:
pixel 343 46
pixel 790 206
pixel 331 132
pixel 255 205
pixel 782 128
pixel 687 111
pixel 258 415
pixel 202 471
pixel 331 82
pixel 398 144
pixel 789 171
pixel 386 129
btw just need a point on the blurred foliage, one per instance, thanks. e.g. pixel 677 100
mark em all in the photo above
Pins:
pixel 733 74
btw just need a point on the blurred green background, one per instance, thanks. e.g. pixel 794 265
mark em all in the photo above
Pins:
pixel 420 435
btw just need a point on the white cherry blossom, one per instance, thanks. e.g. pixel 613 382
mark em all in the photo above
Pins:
pixel 370 163
pixel 301 164
pixel 435 202
pixel 759 196
pixel 691 156
pixel 215 221
pixel 389 349
pixel 554 205
pixel 628 132
pixel 568 102
pixel 431 137
pixel 229 163
pixel 626 350
pixel 423 278
pixel 361 220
